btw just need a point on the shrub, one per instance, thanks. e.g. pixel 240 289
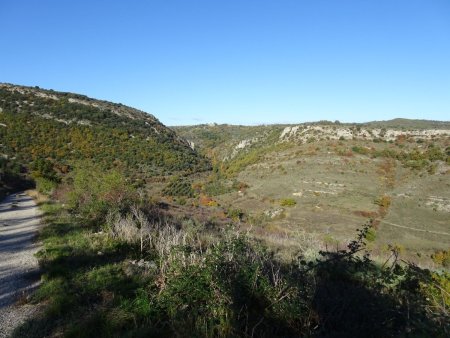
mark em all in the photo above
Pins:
pixel 45 186
pixel 237 185
pixel 441 258
pixel 216 187
pixel 288 202
pixel 371 235
pixel 45 169
pixel 235 214
pixel 434 154
pixel 208 201
pixel 360 150
pixel 179 186
pixel 95 192
pixel 383 201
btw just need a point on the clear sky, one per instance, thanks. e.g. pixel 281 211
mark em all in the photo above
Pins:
pixel 237 61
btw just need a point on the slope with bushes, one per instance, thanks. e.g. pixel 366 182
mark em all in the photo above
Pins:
pixel 65 127
pixel 116 265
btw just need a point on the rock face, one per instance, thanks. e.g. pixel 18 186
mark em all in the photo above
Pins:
pixel 305 132
pixel 229 141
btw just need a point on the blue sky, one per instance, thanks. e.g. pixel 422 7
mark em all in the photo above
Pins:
pixel 237 61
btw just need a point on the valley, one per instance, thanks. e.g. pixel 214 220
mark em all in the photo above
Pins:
pixel 224 230
pixel 336 176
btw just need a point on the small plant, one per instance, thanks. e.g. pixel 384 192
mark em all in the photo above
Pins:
pixel 383 201
pixel 182 201
pixel 238 185
pixel 360 150
pixel 235 214
pixel 371 235
pixel 207 201
pixel 45 186
pixel 441 258
pixel 288 202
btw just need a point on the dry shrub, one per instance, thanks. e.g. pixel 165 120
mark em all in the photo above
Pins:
pixel 365 213
pixel 400 139
pixel 207 201
pixel 123 228
pixel 61 192
pixel 376 223
pixel 441 258
pixel 159 236
pixel 37 196
pixel 386 169
pixel 384 201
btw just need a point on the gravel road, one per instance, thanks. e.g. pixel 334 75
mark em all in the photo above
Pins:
pixel 19 270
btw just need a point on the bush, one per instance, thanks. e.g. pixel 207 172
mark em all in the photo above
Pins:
pixel 441 258
pixel 45 186
pixel 371 235
pixel 216 187
pixel 383 201
pixel 96 192
pixel 207 201
pixel 179 186
pixel 288 202
pixel 233 290
pixel 235 214
pixel 360 150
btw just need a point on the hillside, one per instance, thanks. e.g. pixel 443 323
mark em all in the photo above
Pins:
pixel 228 140
pixel 296 231
pixel 283 238
pixel 64 128
pixel 324 179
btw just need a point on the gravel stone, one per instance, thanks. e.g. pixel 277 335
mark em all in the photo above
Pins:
pixel 19 269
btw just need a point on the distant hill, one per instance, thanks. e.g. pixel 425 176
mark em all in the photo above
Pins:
pixel 66 127
pixel 226 141
pixel 400 123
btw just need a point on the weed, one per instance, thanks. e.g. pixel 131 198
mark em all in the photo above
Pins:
pixel 288 202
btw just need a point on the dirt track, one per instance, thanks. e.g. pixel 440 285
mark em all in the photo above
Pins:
pixel 19 270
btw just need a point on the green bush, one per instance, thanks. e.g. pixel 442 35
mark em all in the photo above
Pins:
pixel 216 187
pixel 360 150
pixel 95 192
pixel 288 202
pixel 235 214
pixel 179 186
pixel 45 186
pixel 371 235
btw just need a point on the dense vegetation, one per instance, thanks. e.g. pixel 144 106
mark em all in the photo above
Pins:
pixel 12 177
pixel 37 124
pixel 116 265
